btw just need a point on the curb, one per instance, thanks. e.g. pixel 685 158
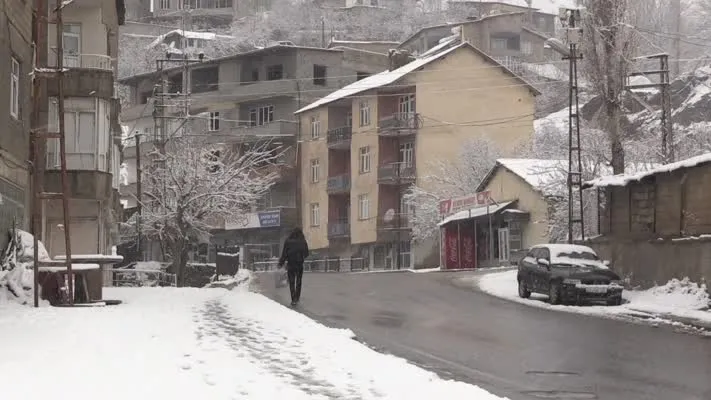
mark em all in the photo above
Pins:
pixel 694 322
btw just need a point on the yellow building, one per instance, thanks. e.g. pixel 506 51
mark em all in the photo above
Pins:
pixel 366 144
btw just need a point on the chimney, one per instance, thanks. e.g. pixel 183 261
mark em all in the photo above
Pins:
pixel 398 58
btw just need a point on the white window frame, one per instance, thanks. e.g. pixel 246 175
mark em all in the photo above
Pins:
pixel 261 116
pixel 315 127
pixel 364 113
pixel 499 44
pixel 164 4
pixel 364 164
pixel 526 47
pixel 15 88
pixel 315 170
pixel 363 207
pixel 407 154
pixel 315 214
pixel 213 121
pixel 406 104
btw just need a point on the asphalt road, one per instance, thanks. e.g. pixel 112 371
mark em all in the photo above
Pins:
pixel 510 349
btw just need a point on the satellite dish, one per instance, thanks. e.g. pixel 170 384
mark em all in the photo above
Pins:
pixel 389 215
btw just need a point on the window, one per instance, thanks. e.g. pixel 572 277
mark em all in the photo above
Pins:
pixel 364 113
pixel 15 89
pixel 364 159
pixel 255 75
pixel 363 206
pixel 315 170
pixel 165 4
pixel 147 133
pixel 320 75
pixel 361 75
pixel 315 214
pixel 214 121
pixel 275 72
pixel 407 154
pixel 205 79
pixel 526 48
pixel 315 127
pixel 406 105
pixel 349 119
pixel 499 44
pixel 261 115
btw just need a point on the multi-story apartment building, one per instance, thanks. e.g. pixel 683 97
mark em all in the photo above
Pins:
pixel 92 128
pixel 366 144
pixel 15 108
pixel 244 99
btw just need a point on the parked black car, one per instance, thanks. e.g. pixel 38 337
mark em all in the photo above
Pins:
pixel 568 274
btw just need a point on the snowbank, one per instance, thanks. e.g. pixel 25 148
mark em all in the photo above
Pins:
pixel 241 281
pixel 675 299
pixel 16 268
pixel 191 343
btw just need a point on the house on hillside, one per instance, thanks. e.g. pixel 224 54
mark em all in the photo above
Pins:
pixel 541 20
pixel 365 145
pixel 179 41
pixel 504 37
pixel 241 100
pixel 656 225
pixel 92 129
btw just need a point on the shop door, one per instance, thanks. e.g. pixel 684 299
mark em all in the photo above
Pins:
pixel 504 248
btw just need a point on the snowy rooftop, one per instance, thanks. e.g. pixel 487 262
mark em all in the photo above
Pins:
pixel 189 35
pixel 475 212
pixel 378 80
pixel 624 179
pixel 546 6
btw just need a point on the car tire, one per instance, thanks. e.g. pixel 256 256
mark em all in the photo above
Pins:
pixel 554 293
pixel 617 301
pixel 523 291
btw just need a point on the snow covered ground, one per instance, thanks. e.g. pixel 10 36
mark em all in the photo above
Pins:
pixel 662 304
pixel 168 343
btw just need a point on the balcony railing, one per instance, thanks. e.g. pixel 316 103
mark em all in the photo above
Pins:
pixel 340 138
pixel 339 184
pixel 89 61
pixel 394 222
pixel 399 124
pixel 340 229
pixel 396 173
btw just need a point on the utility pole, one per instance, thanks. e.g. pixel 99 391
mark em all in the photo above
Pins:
pixel 576 221
pixel 665 120
pixel 42 73
pixel 139 196
pixel 676 43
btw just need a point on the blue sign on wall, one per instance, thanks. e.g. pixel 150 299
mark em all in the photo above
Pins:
pixel 269 219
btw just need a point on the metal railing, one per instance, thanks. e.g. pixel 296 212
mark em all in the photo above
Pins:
pixel 339 229
pixel 90 61
pixel 394 222
pixel 402 172
pixel 339 184
pixel 339 136
pixel 392 124
pixel 141 277
pixel 334 264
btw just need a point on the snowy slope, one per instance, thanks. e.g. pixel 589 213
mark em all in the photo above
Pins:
pixel 167 343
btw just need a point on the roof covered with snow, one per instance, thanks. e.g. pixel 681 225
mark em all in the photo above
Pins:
pixel 545 6
pixel 388 77
pixel 625 179
pixel 475 212
pixel 189 35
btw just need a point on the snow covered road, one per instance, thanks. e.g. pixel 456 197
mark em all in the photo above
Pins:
pixel 198 344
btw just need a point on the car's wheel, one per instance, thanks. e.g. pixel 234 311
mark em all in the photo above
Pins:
pixel 523 290
pixel 617 301
pixel 554 293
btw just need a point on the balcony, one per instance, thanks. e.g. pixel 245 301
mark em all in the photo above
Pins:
pixel 250 134
pixel 399 124
pixel 247 91
pixel 397 173
pixel 339 230
pixel 340 138
pixel 394 228
pixel 339 184
pixel 87 75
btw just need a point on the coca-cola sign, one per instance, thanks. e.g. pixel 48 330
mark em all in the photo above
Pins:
pixel 453 205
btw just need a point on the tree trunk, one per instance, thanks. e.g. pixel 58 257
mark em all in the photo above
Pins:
pixel 617 151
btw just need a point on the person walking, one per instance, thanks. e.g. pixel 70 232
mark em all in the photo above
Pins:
pixel 293 254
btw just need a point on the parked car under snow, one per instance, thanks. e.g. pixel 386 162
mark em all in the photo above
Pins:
pixel 568 274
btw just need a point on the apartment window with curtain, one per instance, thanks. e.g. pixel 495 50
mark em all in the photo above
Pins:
pixel 363 206
pixel 164 4
pixel 214 121
pixel 87 134
pixel 315 214
pixel 315 127
pixel 261 115
pixel 499 44
pixel 364 113
pixel 364 164
pixel 15 89
pixel 315 170
pixel 320 75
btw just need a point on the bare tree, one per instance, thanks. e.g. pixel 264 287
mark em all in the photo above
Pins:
pixel 194 187
pixel 610 42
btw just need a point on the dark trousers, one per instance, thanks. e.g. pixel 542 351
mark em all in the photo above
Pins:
pixel 294 273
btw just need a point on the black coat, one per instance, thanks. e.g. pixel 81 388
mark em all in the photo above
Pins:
pixel 294 252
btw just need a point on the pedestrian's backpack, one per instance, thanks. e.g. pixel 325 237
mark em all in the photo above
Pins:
pixel 296 253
